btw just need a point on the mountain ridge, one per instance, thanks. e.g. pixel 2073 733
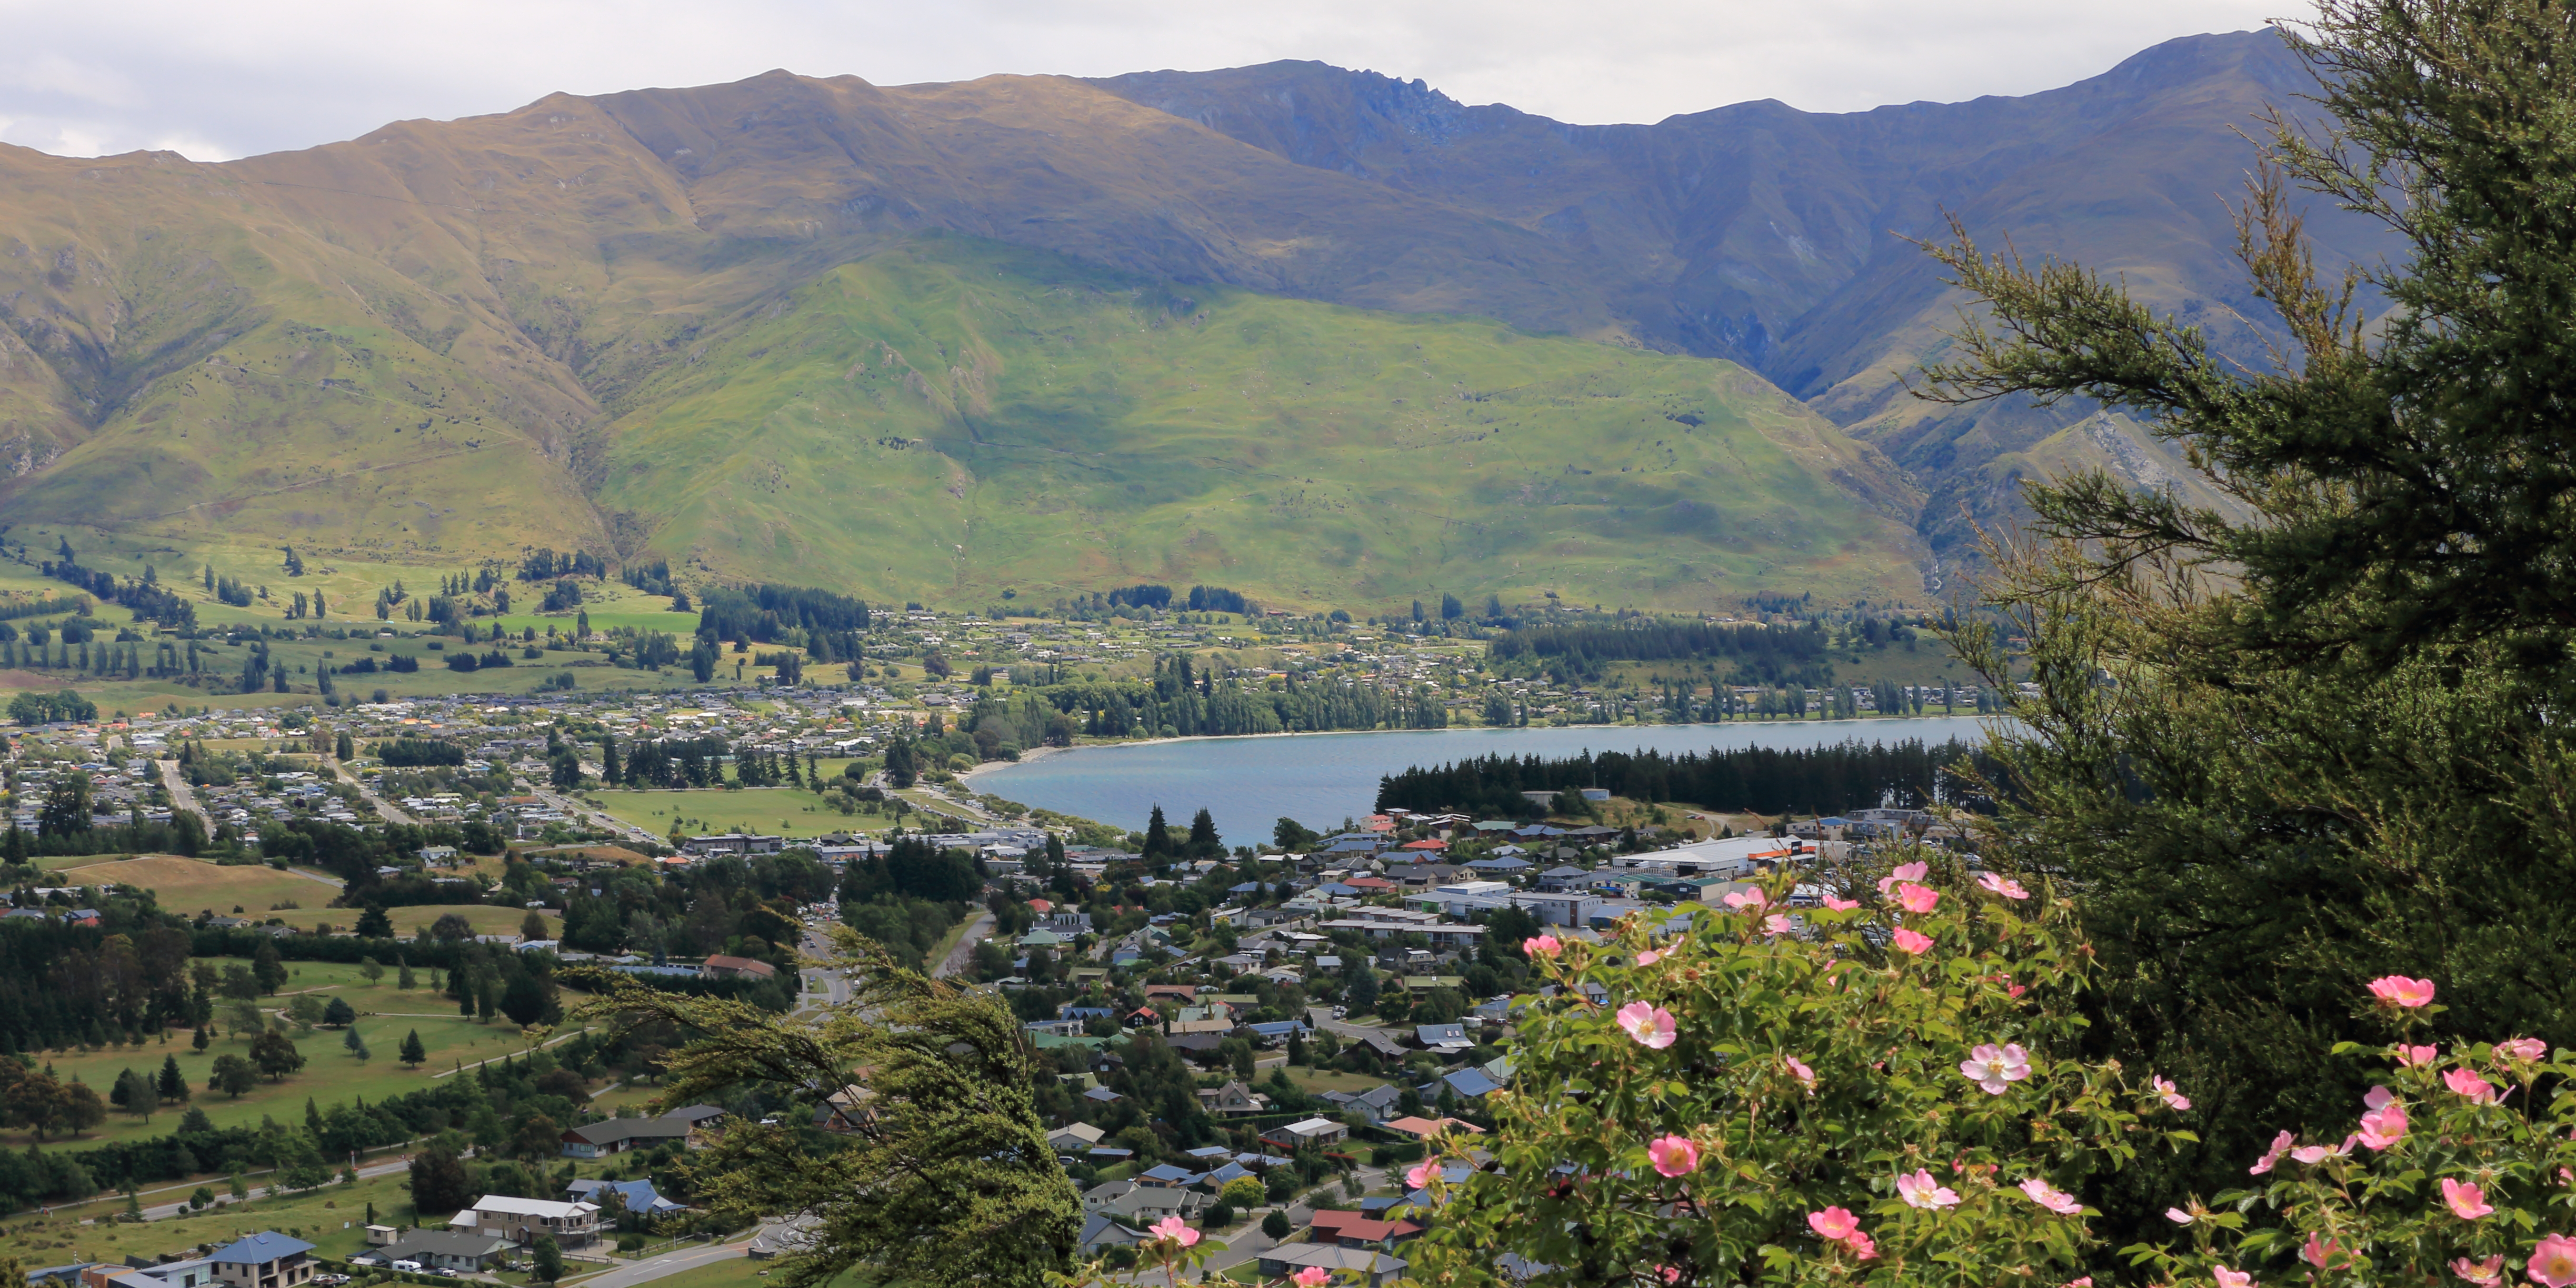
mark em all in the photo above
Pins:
pixel 333 343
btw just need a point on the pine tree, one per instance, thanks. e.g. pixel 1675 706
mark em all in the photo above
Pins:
pixel 174 1084
pixel 1158 838
pixel 413 1053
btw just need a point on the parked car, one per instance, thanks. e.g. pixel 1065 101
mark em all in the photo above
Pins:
pixel 408 1267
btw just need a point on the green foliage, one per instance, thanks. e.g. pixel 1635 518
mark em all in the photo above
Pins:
pixel 2331 740
pixel 2455 1169
pixel 36 706
pixel 1757 1076
pixel 949 1178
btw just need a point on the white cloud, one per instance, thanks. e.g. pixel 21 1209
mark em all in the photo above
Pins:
pixel 234 77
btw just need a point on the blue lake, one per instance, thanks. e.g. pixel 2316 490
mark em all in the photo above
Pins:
pixel 1320 779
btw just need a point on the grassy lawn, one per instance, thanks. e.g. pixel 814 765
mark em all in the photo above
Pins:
pixel 331 1218
pixel 188 887
pixel 775 811
pixel 330 1074
pixel 1316 1081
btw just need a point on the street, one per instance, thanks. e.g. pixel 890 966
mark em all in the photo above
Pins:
pixel 669 1263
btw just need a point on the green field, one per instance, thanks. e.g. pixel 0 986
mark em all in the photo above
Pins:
pixel 776 811
pixel 332 1218
pixel 188 887
pixel 330 1073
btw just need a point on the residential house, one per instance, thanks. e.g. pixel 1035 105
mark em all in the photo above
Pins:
pixel 1371 1268
pixel 1101 1232
pixel 721 966
pixel 617 1135
pixel 1444 1038
pixel 1232 1100
pixel 1569 908
pixel 573 1225
pixel 1320 1132
pixel 264 1260
pixel 1354 1230
pixel 445 1250
pixel 637 1196
pixel 1074 1138
pixel 1168 1177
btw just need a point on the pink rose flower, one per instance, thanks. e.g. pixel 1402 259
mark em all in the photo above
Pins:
pixel 2317 1252
pixel 1804 1074
pixel 1903 872
pixel 2376 1098
pixel 2414 1056
pixel 2553 1262
pixel 2085 1282
pixel 1649 957
pixel 1171 1229
pixel 2178 1216
pixel 1915 898
pixel 2005 886
pixel 1994 1069
pixel 2468 1202
pixel 2014 990
pixel 2051 1197
pixel 1920 1190
pixel 1673 1156
pixel 2280 1146
pixel 1841 905
pixel 1743 899
pixel 2173 1099
pixel 1651 1026
pixel 1863 1247
pixel 2397 990
pixel 1540 946
pixel 2384 1126
pixel 1912 941
pixel 2315 1154
pixel 2469 1086
pixel 1420 1177
pixel 2523 1049
pixel 1671 1274
pixel 1311 1277
pixel 2485 1274
pixel 2230 1278
pixel 1776 924
pixel 1833 1224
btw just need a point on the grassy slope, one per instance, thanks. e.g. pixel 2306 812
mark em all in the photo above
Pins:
pixel 330 1074
pixel 949 418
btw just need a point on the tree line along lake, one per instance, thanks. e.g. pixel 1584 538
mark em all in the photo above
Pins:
pixel 1247 784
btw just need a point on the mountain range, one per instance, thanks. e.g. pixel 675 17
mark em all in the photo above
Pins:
pixel 1325 336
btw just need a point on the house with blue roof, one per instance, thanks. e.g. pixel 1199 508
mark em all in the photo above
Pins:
pixel 1470 1083
pixel 264 1260
pixel 1168 1177
pixel 638 1196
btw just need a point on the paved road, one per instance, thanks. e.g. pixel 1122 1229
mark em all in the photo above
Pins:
pixel 183 795
pixel 385 809
pixel 669 1263
pixel 964 952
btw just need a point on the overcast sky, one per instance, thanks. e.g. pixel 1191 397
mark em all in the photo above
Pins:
pixel 217 79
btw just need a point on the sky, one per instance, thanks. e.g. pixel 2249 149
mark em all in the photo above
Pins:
pixel 218 79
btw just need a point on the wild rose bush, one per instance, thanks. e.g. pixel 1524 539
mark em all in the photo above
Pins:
pixel 1880 1090
pixel 2461 1167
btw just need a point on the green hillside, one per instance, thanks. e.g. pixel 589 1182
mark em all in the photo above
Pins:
pixel 951 417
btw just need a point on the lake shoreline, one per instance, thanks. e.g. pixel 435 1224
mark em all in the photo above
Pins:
pixel 1035 754
pixel 1247 781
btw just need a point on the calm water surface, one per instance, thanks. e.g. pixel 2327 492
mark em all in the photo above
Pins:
pixel 1319 779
